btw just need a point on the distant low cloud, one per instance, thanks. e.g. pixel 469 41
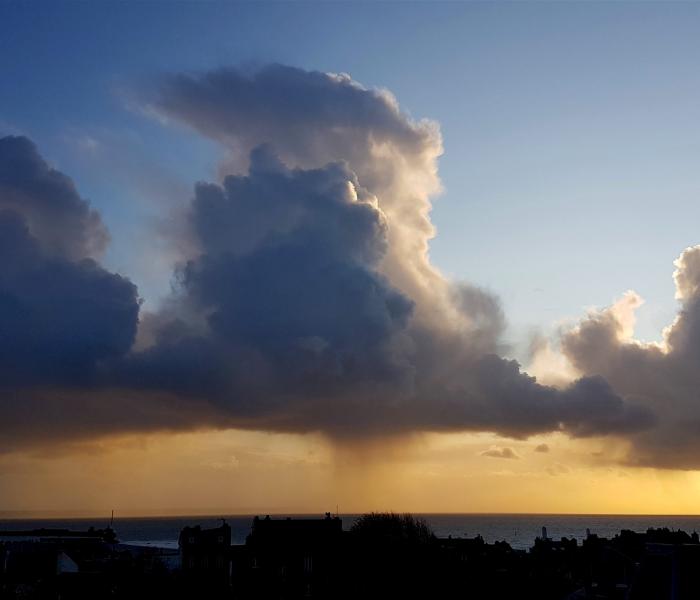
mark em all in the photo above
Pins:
pixel 542 448
pixel 500 452
pixel 557 469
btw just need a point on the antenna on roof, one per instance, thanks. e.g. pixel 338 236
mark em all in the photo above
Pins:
pixel 111 521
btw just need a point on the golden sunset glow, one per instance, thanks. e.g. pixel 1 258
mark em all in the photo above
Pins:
pixel 237 472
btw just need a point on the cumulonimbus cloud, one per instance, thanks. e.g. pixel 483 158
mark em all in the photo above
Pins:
pixel 309 302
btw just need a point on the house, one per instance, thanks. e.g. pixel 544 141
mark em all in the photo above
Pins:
pixel 291 558
pixel 206 555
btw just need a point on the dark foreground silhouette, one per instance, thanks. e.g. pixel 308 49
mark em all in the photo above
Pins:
pixel 383 556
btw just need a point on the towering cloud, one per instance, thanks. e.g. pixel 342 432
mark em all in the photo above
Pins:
pixel 662 376
pixel 285 298
pixel 312 296
pixel 308 304
pixel 313 118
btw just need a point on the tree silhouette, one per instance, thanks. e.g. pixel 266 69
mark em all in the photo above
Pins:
pixel 393 528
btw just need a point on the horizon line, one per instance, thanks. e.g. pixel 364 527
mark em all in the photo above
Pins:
pixel 45 515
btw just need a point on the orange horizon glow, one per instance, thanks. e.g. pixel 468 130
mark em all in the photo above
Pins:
pixel 243 473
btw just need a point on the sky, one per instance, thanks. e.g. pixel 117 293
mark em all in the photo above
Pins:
pixel 515 183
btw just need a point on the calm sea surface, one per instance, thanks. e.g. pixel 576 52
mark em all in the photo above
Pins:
pixel 518 530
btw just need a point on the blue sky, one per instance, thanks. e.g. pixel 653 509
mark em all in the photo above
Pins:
pixel 571 130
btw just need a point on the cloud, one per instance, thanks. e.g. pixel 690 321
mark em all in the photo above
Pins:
pixel 285 299
pixel 311 119
pixel 57 217
pixel 558 469
pixel 285 321
pixel 310 301
pixel 542 448
pixel 58 318
pixel 661 376
pixel 500 452
pixel 306 300
pixel 61 313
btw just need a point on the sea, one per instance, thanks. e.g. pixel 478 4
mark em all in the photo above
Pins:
pixel 519 530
